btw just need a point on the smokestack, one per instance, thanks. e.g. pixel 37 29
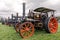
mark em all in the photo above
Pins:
pixel 23 10
pixel 17 14
pixel 12 16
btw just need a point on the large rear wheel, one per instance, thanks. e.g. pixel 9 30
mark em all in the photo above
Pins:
pixel 51 25
pixel 26 29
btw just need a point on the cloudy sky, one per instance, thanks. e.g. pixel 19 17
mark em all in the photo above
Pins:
pixel 7 7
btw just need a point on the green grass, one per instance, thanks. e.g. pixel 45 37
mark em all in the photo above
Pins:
pixel 8 33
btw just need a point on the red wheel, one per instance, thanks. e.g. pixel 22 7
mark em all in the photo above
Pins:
pixel 26 29
pixel 52 25
pixel 17 27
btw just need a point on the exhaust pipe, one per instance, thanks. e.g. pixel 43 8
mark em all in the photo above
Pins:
pixel 17 15
pixel 12 16
pixel 23 10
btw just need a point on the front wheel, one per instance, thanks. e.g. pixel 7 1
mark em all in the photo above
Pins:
pixel 51 25
pixel 26 29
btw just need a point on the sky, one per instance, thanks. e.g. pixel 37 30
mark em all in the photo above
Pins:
pixel 8 7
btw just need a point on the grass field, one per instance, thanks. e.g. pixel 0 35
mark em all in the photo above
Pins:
pixel 8 33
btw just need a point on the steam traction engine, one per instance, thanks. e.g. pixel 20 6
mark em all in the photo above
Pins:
pixel 41 17
pixel 13 20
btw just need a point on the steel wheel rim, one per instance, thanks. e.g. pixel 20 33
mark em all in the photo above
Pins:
pixel 27 31
pixel 53 25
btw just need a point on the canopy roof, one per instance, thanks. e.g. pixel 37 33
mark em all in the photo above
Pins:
pixel 43 10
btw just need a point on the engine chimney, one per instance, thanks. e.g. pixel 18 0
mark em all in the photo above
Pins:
pixel 12 16
pixel 23 10
pixel 17 15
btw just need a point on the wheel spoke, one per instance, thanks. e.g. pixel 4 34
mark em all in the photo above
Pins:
pixel 24 34
pixel 28 33
pixel 28 25
pixel 52 30
pixel 23 30
pixel 50 24
pixel 25 25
